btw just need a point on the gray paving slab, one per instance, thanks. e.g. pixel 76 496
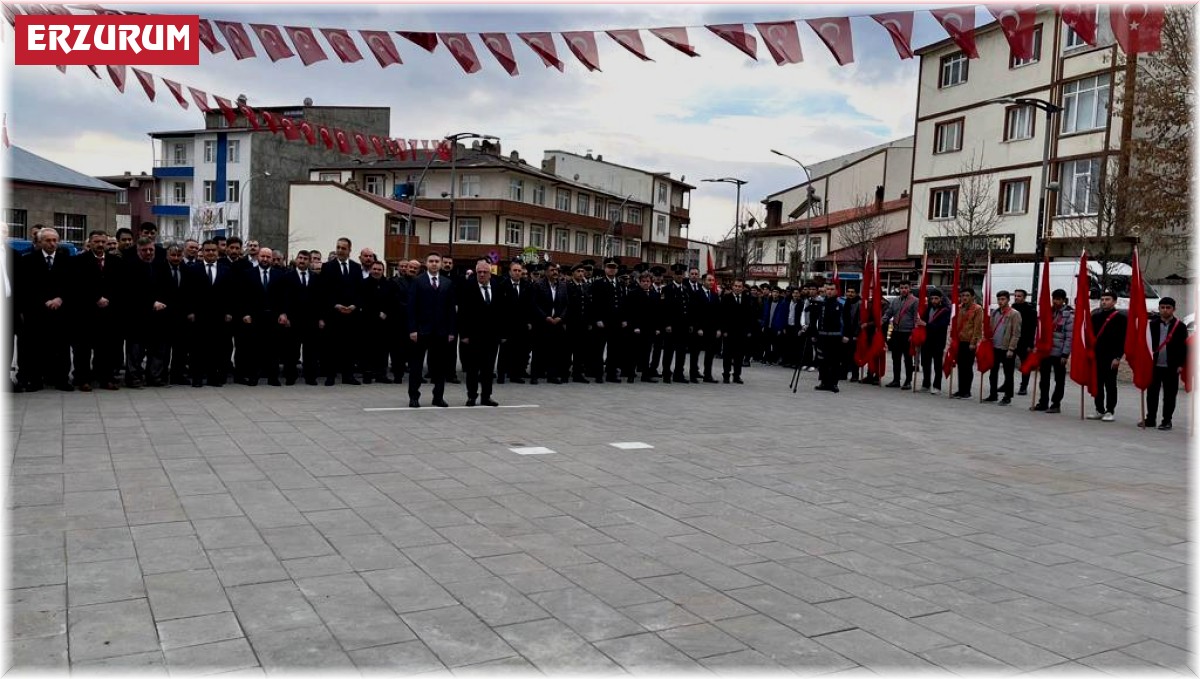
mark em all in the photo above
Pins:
pixel 109 630
pixel 457 637
pixel 555 649
pixel 185 594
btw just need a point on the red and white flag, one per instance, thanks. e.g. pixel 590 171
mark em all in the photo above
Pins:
pixel 899 26
pixel 1137 330
pixel 736 35
pixel 306 44
pixel 426 41
pixel 960 26
pixel 1082 20
pixel 381 45
pixel 274 125
pixel 326 136
pixel 208 38
pixel 361 142
pixel 251 116
pixel 272 41
pixel 201 99
pixel 147 82
pixel 835 33
pixel 343 142
pixel 676 37
pixel 630 39
pixel 583 45
pixel 542 45
pixel 290 132
pixel 1018 24
pixel 1137 27
pixel 342 44
pixel 310 135
pixel 237 38
pixel 95 71
pixel 227 110
pixel 380 149
pixel 782 39
pixel 501 48
pixel 462 51
pixel 117 73
pixel 177 90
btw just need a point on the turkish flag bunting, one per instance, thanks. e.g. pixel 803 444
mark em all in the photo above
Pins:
pixel 227 110
pixel 1044 342
pixel 1018 25
pixel 1137 27
pixel 985 353
pixel 237 38
pixel 426 41
pixel 10 14
pixel 462 51
pixel 58 9
pixel 290 132
pixel 201 99
pixel 899 26
pixel 1137 330
pixel 177 90
pixel 342 44
pixel 326 136
pixel 951 358
pixel 501 48
pixel 147 82
pixel 34 8
pixel 117 73
pixel 1082 20
pixel 272 41
pixel 960 26
pixel 676 37
pixel 1083 335
pixel 343 143
pixel 273 125
pixel 543 45
pixel 381 45
pixel 95 71
pixel 310 134
pixel 395 147
pixel 208 38
pixel 736 35
pixel 380 149
pixel 630 39
pixel 783 41
pixel 306 44
pixel 251 116
pixel 361 142
pixel 583 45
pixel 835 33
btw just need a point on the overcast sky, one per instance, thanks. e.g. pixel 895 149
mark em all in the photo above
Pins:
pixel 712 116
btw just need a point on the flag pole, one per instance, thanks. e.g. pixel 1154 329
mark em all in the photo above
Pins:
pixel 1081 401
pixel 1142 400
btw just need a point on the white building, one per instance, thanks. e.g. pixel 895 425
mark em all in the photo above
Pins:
pixel 848 181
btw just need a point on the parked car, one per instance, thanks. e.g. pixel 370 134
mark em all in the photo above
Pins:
pixel 20 246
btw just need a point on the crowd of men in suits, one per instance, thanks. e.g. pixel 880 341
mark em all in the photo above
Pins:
pixel 198 312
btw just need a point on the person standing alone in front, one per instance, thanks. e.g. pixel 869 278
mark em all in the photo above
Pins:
pixel 431 329
pixel 1110 348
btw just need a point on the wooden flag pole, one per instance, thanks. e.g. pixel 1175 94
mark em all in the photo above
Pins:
pixel 1142 400
pixel 1034 391
pixel 1081 401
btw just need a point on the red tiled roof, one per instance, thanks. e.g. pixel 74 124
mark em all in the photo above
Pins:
pixel 838 218
pixel 401 207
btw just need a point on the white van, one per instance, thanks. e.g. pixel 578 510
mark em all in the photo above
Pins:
pixel 1064 275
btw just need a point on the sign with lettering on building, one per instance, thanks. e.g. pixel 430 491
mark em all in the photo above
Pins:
pixel 999 243
pixel 767 271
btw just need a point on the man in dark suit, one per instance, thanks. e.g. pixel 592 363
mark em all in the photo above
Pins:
pixel 482 326
pixel 550 297
pixel 379 313
pixel 95 295
pixel 677 329
pixel 137 310
pixel 7 269
pixel 341 282
pixel 258 321
pixel 642 316
pixel 607 297
pixel 514 353
pixel 149 230
pixel 704 315
pixel 739 317
pixel 578 322
pixel 432 321
pixel 211 293
pixel 296 297
pixel 169 342
pixel 396 326
pixel 42 285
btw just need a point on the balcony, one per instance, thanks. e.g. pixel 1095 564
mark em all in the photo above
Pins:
pixel 627 230
pixel 681 213
pixel 677 242
pixel 170 210
pixel 173 168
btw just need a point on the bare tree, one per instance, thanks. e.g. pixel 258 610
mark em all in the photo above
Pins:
pixel 1091 214
pixel 976 214
pixel 859 236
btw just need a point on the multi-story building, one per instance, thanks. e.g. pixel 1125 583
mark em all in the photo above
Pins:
pixel 135 200
pixel 503 206
pixel 669 200
pixel 43 192
pixel 231 180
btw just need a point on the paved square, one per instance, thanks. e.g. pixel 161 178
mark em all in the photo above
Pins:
pixel 265 529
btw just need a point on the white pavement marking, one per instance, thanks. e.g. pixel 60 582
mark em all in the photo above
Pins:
pixel 435 408
pixel 631 445
pixel 533 450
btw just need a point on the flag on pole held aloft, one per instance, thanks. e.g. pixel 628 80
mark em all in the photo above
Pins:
pixel 711 269
pixel 919 332
pixel 951 358
pixel 1044 342
pixel 1083 339
pixel 1137 330
pixel 862 346
pixel 985 354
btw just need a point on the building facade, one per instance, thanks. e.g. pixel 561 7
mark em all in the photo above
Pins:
pixel 135 200
pixel 43 192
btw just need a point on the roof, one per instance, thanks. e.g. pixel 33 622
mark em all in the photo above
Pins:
pixel 29 167
pixel 890 247
pixel 594 159
pixel 202 130
pixel 114 178
pixel 835 219
pixel 396 206
pixel 824 168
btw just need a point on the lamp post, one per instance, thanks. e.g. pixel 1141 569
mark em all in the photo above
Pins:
pixel 1042 232
pixel 454 139
pixel 737 217
pixel 243 227
pixel 612 226
pixel 808 203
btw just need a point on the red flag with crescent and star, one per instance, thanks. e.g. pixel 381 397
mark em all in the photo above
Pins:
pixel 583 45
pixel 381 45
pixel 1082 20
pixel 960 26
pixel 736 35
pixel 835 33
pixel 542 45
pixel 462 51
pixel 899 26
pixel 306 44
pixel 631 40
pixel 501 48
pixel 1137 26
pixel 239 41
pixel 782 39
pixel 342 44
pixel 676 37
pixel 1018 24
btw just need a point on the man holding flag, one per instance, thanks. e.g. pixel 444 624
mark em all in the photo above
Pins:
pixel 967 336
pixel 1062 323
pixel 1168 337
pixel 936 323
pixel 1109 347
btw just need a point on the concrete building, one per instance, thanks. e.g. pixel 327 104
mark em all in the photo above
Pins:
pixel 136 198
pixel 43 192
pixel 230 180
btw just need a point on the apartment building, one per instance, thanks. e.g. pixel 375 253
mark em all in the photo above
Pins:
pixel 136 198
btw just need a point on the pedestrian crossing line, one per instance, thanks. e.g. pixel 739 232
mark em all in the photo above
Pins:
pixel 435 409
pixel 631 445
pixel 533 450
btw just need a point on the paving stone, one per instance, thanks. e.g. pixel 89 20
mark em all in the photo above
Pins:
pixel 793 582
pixel 217 657
pixel 150 664
pixel 227 532
pixel 39 653
pixel 646 653
pixel 355 615
pixel 409 657
pixel 555 649
pixel 271 607
pixel 495 601
pixel 220 505
pixel 739 663
pixel 408 589
pixel 316 566
pixel 104 581
pixel 445 563
pixel 310 649
pixel 368 552
pixel 26 624
pixel 1005 648
pixel 782 645
pixel 583 612
pixel 886 625
pixel 109 630
pixel 1163 655
pixel 960 658
pixel 660 615
pixel 198 630
pixel 44 598
pixel 185 594
pixel 701 641
pixel 544 580
pixel 246 565
pixel 895 600
pixel 339 522
pixel 608 584
pixel 163 555
pixel 871 651
pixel 100 544
pixel 457 637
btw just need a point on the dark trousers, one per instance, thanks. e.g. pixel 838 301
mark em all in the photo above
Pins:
pixel 549 351
pixel 245 350
pixel 340 344
pixel 639 346
pixel 707 344
pixel 579 341
pixel 731 356
pixel 1106 382
pixel 899 346
pixel 479 358
pixel 438 349
pixel 451 370
pixel 301 342
pixel 1004 363
pixel 169 353
pixel 263 340
pixel 95 349
pixel 137 350
pixel 609 355
pixel 1023 354
pixel 210 351
pixel 514 353
pixel 656 352
pixel 1168 380
pixel 830 369
pixel 965 360
pixel 931 361
pixel 43 350
pixel 397 348
pixel 1052 365
pixel 674 352
pixel 375 349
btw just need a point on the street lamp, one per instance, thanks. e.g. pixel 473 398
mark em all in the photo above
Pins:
pixel 243 227
pixel 612 225
pixel 808 203
pixel 1042 234
pixel 737 217
pixel 454 139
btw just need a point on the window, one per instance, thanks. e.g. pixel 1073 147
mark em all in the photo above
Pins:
pixel 72 228
pixel 233 191
pixel 537 236
pixel 660 227
pixel 948 136
pixel 1080 187
pixel 814 248
pixel 516 189
pixel 953 70
pixel 780 251
pixel 231 227
pixel 122 197
pixel 399 227
pixel 757 255
pixel 235 151
pixel 614 213
pixel 180 193
pixel 539 194
pixel 468 185
pixel 562 200
pixel 943 203
pixel 600 210
pixel 420 188
pixel 633 215
pixel 1015 62
pixel 633 248
pixel 180 154
pixel 513 231
pixel 210 192
pixel 374 183
pixel 597 244
pixel 149 194
pixel 1018 123
pixel 583 204
pixel 210 151
pixel 468 229
pixel 662 194
pixel 562 240
pixel 1073 40
pixel 330 177
pixel 18 223
pixel 1014 196
pixel 581 242
pixel 616 246
pixel 1085 104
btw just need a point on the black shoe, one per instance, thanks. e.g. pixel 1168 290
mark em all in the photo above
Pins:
pixel 500 379
pixel 1041 407
pixel 629 379
pixel 892 385
pixel 366 380
pixel 612 378
pixel 251 383
pixel 554 380
pixel 646 378
pixel 679 378
pixel 441 403
pixel 738 380
pixel 453 380
pixel 1147 423
pixel 992 398
pixel 580 379
pixel 600 379
pixel 489 402
pixel 666 379
pixel 709 380
pixel 906 387
pixel 517 380
pixel 414 403
pixel 197 384
pixel 289 381
pixel 274 383
pixel 725 379
pixel 329 381
pixel 215 383
pixel 821 387
pixel 65 387
pixel 384 380
pixel 1005 401
pixel 312 382
pixel 532 380
pixel 854 379
pixel 351 381
pixel 834 389
pixel 1165 426
pixel 1022 392
pixel 1053 410
pixel 470 403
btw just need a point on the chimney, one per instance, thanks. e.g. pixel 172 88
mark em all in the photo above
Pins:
pixel 241 100
pixel 515 157
pixel 128 173
pixel 308 101
pixel 878 197
pixel 599 157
